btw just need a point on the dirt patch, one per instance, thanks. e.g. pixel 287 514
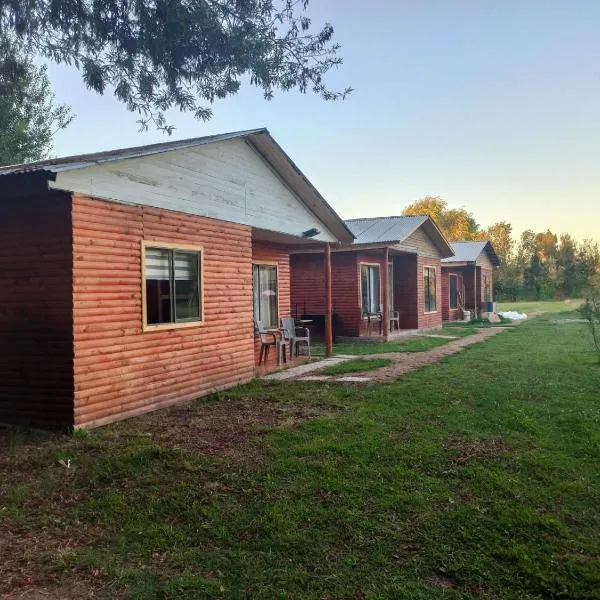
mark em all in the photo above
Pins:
pixel 26 565
pixel 405 362
pixel 222 427
pixel 464 451
pixel 438 580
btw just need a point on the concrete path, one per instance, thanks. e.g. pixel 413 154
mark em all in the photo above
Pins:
pixel 402 362
pixel 296 372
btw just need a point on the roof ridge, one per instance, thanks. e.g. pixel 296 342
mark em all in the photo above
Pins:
pixel 132 149
pixel 388 217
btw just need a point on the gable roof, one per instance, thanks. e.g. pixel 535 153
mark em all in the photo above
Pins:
pixel 469 252
pixel 259 139
pixel 394 230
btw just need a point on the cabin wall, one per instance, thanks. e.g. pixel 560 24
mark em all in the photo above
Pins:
pixel 420 243
pixel 374 257
pixel 36 331
pixel 308 289
pixel 434 318
pixel 451 314
pixel 121 370
pixel 273 253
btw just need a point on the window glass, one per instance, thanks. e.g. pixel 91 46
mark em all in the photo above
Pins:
pixel 187 293
pixel 172 285
pixel 158 297
pixel 429 289
pixel 264 280
pixel 369 283
pixel 453 283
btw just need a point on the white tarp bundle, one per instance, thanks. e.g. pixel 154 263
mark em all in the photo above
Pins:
pixel 513 315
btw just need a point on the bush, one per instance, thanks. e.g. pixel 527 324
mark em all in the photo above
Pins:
pixel 590 311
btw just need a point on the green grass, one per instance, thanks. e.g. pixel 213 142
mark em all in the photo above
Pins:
pixel 413 344
pixel 544 306
pixel 459 329
pixel 356 366
pixel 476 478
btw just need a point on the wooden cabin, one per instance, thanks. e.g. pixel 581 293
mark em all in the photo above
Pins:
pixel 468 279
pixel 130 279
pixel 392 266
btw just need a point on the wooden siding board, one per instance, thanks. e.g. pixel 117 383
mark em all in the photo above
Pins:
pixel 121 371
pixel 228 180
pixel 36 345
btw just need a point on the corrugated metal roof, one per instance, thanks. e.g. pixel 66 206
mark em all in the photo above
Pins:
pixel 79 161
pixel 384 229
pixel 470 251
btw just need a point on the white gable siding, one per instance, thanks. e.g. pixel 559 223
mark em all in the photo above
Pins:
pixel 484 261
pixel 226 180
pixel 420 243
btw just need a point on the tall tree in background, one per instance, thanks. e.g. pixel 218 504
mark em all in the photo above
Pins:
pixel 182 54
pixel 28 116
pixel 455 223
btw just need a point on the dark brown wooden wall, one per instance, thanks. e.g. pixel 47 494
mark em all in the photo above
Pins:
pixel 36 331
pixel 122 371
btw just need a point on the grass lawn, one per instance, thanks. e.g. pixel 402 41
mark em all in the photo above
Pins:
pixel 356 366
pixel 544 306
pixel 476 478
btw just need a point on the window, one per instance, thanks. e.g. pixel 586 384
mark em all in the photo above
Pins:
pixel 172 285
pixel 266 302
pixel 369 285
pixel 487 292
pixel 429 289
pixel 453 285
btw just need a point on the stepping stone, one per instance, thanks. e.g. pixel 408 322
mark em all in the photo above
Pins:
pixel 354 379
pixel 315 378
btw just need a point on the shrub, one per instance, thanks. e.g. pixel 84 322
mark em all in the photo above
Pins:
pixel 590 311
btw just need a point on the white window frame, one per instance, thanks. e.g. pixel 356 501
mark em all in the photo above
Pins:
pixel 378 267
pixel 177 324
pixel 266 263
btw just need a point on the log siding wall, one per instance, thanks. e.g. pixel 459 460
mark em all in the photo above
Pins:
pixel 279 254
pixel 121 371
pixel 36 331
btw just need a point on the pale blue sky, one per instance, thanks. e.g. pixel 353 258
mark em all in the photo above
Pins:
pixel 493 105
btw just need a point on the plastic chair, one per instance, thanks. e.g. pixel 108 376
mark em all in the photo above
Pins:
pixel 295 335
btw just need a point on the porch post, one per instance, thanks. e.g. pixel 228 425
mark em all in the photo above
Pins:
pixel 475 291
pixel 386 295
pixel 328 302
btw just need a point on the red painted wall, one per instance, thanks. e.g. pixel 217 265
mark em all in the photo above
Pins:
pixel 36 329
pixel 307 289
pixel 121 371
pixel 450 314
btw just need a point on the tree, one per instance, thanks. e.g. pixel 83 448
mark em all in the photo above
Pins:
pixel 590 311
pixel 568 272
pixel 455 223
pixel 28 117
pixel 500 234
pixel 183 54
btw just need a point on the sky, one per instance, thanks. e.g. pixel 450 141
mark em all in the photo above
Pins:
pixel 492 105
